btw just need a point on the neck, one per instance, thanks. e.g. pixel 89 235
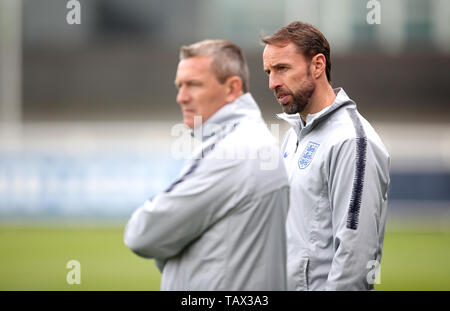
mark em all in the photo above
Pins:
pixel 322 97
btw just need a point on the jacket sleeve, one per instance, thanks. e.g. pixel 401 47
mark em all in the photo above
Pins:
pixel 162 227
pixel 358 182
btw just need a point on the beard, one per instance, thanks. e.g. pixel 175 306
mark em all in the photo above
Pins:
pixel 300 99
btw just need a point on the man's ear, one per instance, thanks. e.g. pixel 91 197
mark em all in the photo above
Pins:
pixel 233 88
pixel 318 65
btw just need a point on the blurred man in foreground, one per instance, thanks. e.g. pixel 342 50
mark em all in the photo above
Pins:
pixel 337 165
pixel 221 225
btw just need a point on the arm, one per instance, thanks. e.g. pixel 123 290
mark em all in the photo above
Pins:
pixel 358 182
pixel 161 228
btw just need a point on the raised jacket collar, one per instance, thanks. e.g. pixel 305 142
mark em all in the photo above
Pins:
pixel 297 123
pixel 229 115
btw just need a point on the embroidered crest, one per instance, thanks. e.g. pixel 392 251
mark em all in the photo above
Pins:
pixel 308 155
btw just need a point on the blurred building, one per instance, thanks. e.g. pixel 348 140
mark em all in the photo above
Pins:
pixel 107 84
pixel 121 60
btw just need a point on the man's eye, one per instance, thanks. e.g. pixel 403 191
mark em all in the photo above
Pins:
pixel 194 83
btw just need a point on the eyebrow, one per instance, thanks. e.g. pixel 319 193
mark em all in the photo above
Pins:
pixel 267 70
pixel 188 81
pixel 281 64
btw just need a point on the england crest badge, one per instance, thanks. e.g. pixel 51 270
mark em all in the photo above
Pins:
pixel 308 155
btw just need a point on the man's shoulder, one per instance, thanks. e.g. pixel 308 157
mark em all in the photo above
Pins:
pixel 252 133
pixel 253 146
pixel 349 125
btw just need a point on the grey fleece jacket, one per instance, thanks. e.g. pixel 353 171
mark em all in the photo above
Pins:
pixel 221 225
pixel 338 171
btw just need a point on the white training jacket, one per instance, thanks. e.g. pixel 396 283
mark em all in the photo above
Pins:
pixel 221 225
pixel 339 176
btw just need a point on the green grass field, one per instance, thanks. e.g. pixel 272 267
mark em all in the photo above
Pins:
pixel 35 257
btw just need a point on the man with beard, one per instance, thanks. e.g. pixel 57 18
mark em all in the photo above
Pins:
pixel 338 168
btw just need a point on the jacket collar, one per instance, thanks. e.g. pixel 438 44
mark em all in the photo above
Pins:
pixel 242 107
pixel 297 123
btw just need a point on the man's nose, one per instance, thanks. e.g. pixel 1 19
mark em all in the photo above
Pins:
pixel 182 96
pixel 274 82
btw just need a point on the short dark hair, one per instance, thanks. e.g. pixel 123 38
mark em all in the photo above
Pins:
pixel 308 39
pixel 228 59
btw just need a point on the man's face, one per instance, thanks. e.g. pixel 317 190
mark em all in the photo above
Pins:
pixel 199 91
pixel 289 76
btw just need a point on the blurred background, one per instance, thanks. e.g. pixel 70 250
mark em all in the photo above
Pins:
pixel 87 111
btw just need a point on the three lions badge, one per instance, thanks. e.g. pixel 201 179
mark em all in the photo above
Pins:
pixel 308 155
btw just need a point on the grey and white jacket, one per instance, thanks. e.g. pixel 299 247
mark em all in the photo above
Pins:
pixel 338 171
pixel 221 225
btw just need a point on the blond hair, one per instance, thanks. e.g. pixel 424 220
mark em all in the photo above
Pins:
pixel 228 59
